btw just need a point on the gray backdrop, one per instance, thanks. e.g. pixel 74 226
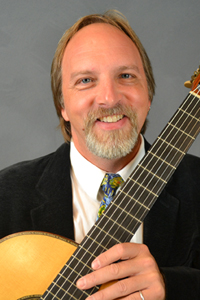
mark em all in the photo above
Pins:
pixel 29 33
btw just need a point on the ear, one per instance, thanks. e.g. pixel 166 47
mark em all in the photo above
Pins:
pixel 64 114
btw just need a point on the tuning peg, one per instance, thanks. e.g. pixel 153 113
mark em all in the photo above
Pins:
pixel 188 84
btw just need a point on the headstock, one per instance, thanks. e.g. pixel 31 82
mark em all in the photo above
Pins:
pixel 194 81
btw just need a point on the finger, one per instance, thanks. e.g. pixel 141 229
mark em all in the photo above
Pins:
pixel 140 265
pixel 118 290
pixel 119 252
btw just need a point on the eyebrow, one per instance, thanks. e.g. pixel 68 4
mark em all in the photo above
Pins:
pixel 128 67
pixel 78 73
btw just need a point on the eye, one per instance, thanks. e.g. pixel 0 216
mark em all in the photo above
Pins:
pixel 85 80
pixel 84 83
pixel 126 76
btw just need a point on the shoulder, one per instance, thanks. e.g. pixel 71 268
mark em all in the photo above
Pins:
pixel 185 182
pixel 31 170
pixel 189 168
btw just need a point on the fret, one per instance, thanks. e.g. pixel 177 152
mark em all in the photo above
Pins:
pixel 191 102
pixel 177 137
pixel 61 279
pixel 162 160
pixel 110 231
pixel 167 154
pixel 170 145
pixel 178 129
pixel 77 261
pixel 192 105
pixel 67 271
pixel 136 210
pixel 193 117
pixel 123 213
pixel 48 296
pixel 68 287
pixel 153 174
pixel 127 221
pixel 105 239
pixel 144 187
pixel 80 253
pixel 144 184
pixel 194 94
pixel 90 240
pixel 87 249
pixel 139 198
pixel 160 168
pixel 186 123
pixel 118 224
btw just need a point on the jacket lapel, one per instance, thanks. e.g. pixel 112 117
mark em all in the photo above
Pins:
pixel 55 214
pixel 159 227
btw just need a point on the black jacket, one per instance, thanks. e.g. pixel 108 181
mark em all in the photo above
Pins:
pixel 37 195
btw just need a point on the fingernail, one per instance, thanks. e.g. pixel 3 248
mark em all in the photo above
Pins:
pixel 80 283
pixel 96 264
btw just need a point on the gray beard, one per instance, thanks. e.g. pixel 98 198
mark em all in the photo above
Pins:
pixel 117 143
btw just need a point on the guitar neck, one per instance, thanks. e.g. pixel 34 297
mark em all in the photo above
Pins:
pixel 127 211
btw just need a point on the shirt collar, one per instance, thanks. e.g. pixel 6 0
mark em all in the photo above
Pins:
pixel 90 177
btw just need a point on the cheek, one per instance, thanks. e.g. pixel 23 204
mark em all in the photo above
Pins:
pixel 142 113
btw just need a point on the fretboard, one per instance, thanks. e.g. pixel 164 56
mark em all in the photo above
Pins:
pixel 132 203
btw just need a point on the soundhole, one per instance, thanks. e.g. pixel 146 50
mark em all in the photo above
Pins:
pixel 33 297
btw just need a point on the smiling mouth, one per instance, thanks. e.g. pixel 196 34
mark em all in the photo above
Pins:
pixel 111 119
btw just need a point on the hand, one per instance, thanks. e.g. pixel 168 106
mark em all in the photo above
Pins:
pixel 138 268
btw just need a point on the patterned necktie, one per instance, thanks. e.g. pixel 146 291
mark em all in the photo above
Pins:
pixel 109 185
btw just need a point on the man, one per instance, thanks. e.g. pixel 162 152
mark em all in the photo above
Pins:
pixel 103 86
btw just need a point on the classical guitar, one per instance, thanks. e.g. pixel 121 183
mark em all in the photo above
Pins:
pixel 38 265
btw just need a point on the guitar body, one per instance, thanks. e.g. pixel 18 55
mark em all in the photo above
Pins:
pixel 29 263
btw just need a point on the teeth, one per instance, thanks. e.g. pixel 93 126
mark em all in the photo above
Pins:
pixel 111 119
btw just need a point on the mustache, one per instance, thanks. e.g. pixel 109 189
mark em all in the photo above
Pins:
pixel 101 112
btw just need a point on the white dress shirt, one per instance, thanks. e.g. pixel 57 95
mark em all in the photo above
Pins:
pixel 87 194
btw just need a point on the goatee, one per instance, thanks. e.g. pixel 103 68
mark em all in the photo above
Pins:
pixel 111 144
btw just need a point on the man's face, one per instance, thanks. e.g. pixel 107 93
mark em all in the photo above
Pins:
pixel 105 91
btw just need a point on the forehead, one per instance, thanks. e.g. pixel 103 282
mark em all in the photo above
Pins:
pixel 97 40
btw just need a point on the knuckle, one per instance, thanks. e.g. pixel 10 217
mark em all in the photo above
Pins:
pixel 148 262
pixel 122 288
pixel 114 269
pixel 159 292
pixel 144 248
pixel 120 249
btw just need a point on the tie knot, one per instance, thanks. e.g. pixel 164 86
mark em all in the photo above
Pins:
pixel 110 184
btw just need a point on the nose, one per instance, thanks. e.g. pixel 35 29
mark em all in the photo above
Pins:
pixel 108 94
